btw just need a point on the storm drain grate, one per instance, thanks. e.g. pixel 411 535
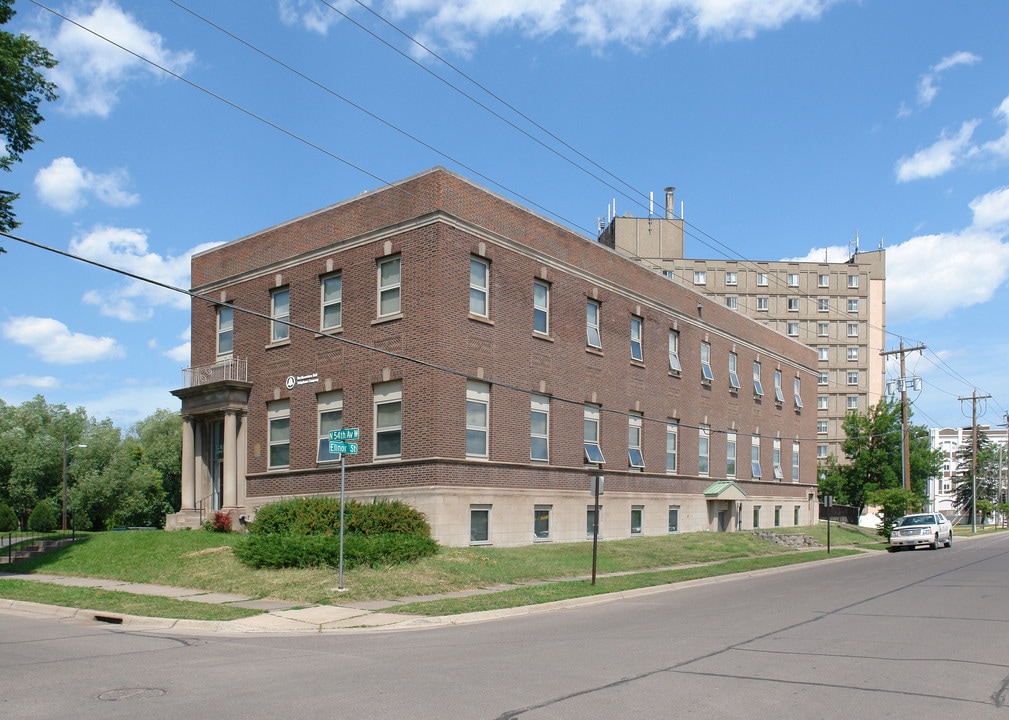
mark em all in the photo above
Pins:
pixel 132 694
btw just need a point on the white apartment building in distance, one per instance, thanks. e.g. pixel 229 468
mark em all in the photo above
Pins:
pixel 838 308
pixel 941 490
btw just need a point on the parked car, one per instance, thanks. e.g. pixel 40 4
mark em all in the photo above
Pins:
pixel 932 529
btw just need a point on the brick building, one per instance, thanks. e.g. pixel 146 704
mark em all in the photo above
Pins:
pixel 494 361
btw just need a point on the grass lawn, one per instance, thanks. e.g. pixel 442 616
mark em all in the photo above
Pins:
pixel 203 560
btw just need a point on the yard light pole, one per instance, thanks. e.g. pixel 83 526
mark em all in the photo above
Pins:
pixel 65 449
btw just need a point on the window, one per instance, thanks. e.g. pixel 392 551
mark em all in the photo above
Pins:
pixel 777 516
pixel 795 464
pixel 541 522
pixel 388 419
pixel 225 331
pixel 732 302
pixel 823 354
pixel 541 308
pixel 674 518
pixel 700 277
pixel 593 453
pixel 636 324
pixel 280 314
pixel 730 455
pixel 703 449
pixel 795 515
pixel 823 329
pixel 733 373
pixel 389 281
pixel 823 280
pixel 278 414
pixel 330 406
pixel 821 451
pixel 477 418
pixel 821 427
pixel 853 305
pixel 634 457
pixel 758 389
pixel 590 520
pixel 823 305
pixel 761 279
pixel 755 457
pixel 853 377
pixel 793 304
pixel 821 402
pixel 793 329
pixel 592 337
pixel 852 403
pixel 778 395
pixel 672 432
pixel 852 329
pixel 731 278
pixel 479 523
pixel 796 387
pixel 479 286
pixel 853 354
pixel 756 516
pixel 762 304
pixel 706 375
pixel 539 428
pixel 792 279
pixel 332 302
pixel 776 462
pixel 822 378
pixel 853 281
pixel 636 512
pixel 674 351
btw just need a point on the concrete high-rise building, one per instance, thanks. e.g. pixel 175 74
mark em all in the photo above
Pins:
pixel 838 308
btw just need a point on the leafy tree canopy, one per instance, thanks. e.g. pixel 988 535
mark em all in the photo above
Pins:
pixel 23 87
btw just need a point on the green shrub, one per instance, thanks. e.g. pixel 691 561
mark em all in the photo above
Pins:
pixel 43 518
pixel 321 516
pixel 302 551
pixel 8 520
pixel 220 522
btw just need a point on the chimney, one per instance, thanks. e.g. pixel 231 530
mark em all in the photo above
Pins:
pixel 670 205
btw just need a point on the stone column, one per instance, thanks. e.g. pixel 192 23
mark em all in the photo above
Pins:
pixel 188 466
pixel 230 479
pixel 243 456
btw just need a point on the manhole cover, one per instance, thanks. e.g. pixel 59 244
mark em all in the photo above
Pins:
pixel 132 694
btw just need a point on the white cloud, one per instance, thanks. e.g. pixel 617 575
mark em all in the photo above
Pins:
pixel 92 70
pixel 39 382
pixel 928 277
pixel 927 83
pixel 941 157
pixel 64 185
pixel 457 23
pixel 55 343
pixel 1000 147
pixel 127 249
pixel 181 353
pixel 833 254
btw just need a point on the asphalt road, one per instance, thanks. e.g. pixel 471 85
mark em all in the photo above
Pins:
pixel 911 634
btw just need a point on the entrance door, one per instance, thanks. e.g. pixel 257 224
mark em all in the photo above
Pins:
pixel 216 463
pixel 722 521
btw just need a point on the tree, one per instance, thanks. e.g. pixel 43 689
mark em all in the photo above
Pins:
pixel 160 436
pixel 987 474
pixel 894 503
pixel 873 450
pixel 23 87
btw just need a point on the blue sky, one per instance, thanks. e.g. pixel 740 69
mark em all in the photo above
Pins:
pixel 788 127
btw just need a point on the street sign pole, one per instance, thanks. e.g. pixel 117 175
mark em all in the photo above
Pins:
pixel 597 481
pixel 343 484
pixel 338 444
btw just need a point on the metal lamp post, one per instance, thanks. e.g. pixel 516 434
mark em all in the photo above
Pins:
pixel 65 449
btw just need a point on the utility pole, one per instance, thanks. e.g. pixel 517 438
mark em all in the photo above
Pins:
pixel 905 445
pixel 973 463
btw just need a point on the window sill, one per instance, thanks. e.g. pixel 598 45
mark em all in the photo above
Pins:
pixel 637 363
pixel 480 319
pixel 674 373
pixel 326 332
pixel 541 336
pixel 594 350
pixel 279 343
pixel 387 318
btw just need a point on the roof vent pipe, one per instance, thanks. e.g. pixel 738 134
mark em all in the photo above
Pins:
pixel 670 205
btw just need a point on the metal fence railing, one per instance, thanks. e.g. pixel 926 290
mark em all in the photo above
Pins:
pixel 839 513
pixel 19 544
pixel 229 369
